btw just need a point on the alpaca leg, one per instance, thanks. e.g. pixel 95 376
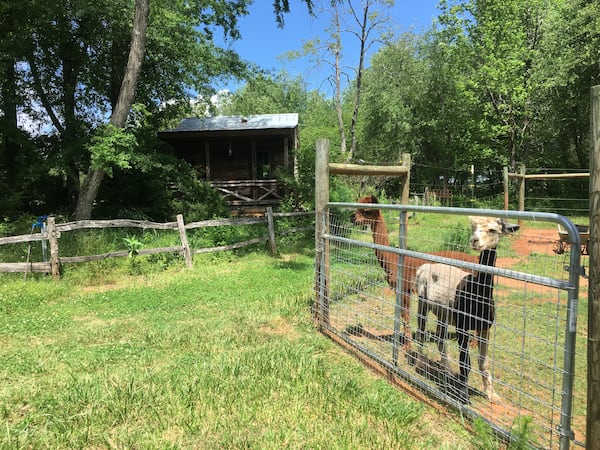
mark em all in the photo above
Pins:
pixel 465 365
pixel 406 319
pixel 484 365
pixel 442 337
pixel 422 311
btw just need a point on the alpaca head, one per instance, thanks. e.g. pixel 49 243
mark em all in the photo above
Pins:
pixel 366 217
pixel 486 232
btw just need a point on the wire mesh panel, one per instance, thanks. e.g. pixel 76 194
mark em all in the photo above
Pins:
pixel 536 384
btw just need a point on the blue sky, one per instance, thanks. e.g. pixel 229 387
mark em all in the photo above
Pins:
pixel 264 43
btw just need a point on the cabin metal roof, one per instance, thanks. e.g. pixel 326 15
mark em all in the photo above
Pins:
pixel 235 123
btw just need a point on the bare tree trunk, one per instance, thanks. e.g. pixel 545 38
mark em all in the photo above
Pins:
pixel 365 21
pixel 338 78
pixel 93 179
pixel 364 36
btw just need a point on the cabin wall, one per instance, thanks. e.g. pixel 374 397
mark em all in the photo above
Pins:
pixel 221 159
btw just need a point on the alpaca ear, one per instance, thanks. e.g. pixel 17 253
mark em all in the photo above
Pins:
pixel 509 227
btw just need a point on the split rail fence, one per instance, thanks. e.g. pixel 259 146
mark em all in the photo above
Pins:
pixel 51 234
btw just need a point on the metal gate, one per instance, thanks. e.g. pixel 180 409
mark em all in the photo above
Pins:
pixel 538 365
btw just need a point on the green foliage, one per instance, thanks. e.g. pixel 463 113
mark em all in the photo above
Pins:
pixel 68 59
pixel 522 434
pixel 484 438
pixel 133 245
pixel 111 146
pixel 159 189
pixel 264 94
pixel 490 84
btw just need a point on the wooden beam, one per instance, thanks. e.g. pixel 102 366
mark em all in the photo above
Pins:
pixel 321 310
pixel 271 227
pixel 354 169
pixel 37 267
pixel 53 236
pixel 549 176
pixel 187 256
pixel 406 161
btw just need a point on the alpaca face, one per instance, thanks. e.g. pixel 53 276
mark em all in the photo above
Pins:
pixel 366 217
pixel 486 232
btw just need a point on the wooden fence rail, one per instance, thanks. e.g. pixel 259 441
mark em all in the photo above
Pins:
pixel 53 232
pixel 522 176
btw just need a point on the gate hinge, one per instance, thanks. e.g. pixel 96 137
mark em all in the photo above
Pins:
pixel 570 434
pixel 580 271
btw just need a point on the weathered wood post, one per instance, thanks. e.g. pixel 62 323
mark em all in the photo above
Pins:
pixel 53 236
pixel 187 254
pixel 271 227
pixel 593 344
pixel 506 185
pixel 405 180
pixel 521 191
pixel 321 310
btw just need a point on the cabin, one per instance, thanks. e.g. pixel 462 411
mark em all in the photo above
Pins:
pixel 243 157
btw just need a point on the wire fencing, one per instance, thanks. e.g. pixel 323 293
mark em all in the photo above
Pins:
pixel 536 348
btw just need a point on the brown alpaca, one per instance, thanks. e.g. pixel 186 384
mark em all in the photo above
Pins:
pixel 389 261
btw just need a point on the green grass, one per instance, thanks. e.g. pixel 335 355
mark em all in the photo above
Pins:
pixel 220 356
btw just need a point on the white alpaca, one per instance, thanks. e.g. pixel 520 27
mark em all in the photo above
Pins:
pixel 464 300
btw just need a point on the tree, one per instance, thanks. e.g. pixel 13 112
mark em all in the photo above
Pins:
pixel 571 49
pixel 501 41
pixel 391 86
pixel 264 94
pixel 120 112
pixel 367 27
pixel 74 56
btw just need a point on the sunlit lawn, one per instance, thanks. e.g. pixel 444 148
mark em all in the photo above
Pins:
pixel 221 356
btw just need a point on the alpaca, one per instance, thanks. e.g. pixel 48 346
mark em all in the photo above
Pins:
pixel 465 300
pixel 389 261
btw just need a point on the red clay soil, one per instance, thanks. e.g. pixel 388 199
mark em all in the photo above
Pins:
pixel 536 241
pixel 541 242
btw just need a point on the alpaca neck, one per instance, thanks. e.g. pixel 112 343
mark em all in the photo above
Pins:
pixel 486 258
pixel 380 234
pixel 386 259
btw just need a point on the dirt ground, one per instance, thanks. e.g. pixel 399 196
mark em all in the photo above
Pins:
pixel 536 241
pixel 542 242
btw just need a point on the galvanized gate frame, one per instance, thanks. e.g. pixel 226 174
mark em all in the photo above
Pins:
pixel 324 237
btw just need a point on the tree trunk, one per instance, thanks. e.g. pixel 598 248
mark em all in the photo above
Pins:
pixel 93 179
pixel 8 127
pixel 338 78
pixel 364 24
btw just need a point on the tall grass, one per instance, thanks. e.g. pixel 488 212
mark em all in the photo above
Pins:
pixel 220 356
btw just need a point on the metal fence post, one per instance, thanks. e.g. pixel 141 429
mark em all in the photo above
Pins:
pixel 399 287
